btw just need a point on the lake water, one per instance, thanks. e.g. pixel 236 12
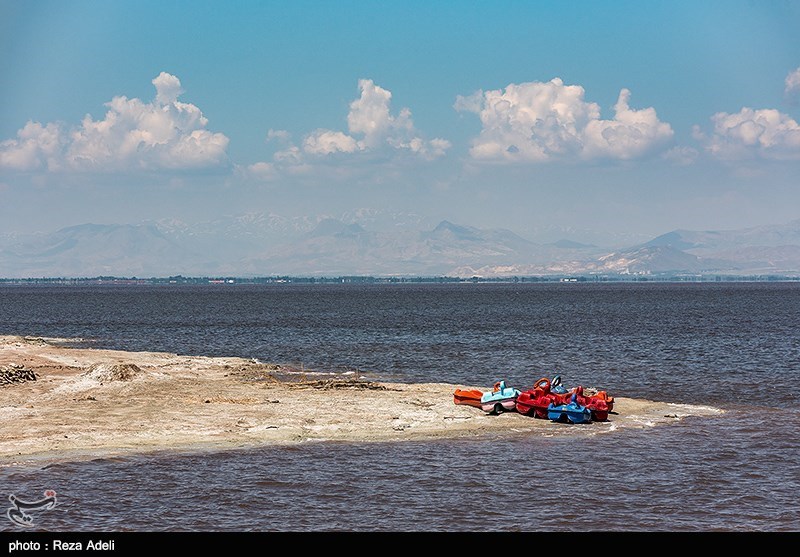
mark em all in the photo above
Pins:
pixel 734 346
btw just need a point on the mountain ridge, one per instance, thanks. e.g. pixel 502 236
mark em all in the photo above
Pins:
pixel 265 244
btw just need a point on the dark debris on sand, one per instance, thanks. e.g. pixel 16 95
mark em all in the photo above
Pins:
pixel 15 373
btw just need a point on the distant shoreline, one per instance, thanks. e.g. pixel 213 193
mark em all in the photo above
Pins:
pixel 91 403
pixel 234 280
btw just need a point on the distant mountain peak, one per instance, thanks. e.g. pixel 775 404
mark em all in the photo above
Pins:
pixel 447 225
pixel 674 239
pixel 462 232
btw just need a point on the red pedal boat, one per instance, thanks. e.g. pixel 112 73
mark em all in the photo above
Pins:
pixel 599 403
pixel 535 402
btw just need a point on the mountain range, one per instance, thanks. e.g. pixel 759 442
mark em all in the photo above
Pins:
pixel 370 243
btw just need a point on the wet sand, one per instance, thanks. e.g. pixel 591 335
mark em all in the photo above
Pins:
pixel 91 403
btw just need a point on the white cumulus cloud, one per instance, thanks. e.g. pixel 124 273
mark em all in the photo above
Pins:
pixel 168 88
pixel 277 135
pixel 262 171
pixel 752 133
pixel 36 146
pixel 792 85
pixel 325 142
pixel 371 127
pixel 536 122
pixel 163 134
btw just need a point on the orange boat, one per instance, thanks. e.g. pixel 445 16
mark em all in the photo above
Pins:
pixel 470 397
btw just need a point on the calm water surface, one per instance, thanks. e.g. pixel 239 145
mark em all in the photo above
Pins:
pixel 735 346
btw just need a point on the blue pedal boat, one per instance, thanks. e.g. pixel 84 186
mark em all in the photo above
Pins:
pixel 572 412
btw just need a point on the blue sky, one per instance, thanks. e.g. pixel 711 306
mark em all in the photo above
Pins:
pixel 590 120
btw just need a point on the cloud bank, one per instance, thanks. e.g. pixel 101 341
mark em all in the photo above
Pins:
pixel 525 122
pixel 538 122
pixel 133 135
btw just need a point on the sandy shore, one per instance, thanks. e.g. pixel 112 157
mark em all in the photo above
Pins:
pixel 88 403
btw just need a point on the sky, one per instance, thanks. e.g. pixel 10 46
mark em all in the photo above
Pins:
pixel 585 120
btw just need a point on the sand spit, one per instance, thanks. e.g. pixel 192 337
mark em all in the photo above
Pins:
pixel 90 403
